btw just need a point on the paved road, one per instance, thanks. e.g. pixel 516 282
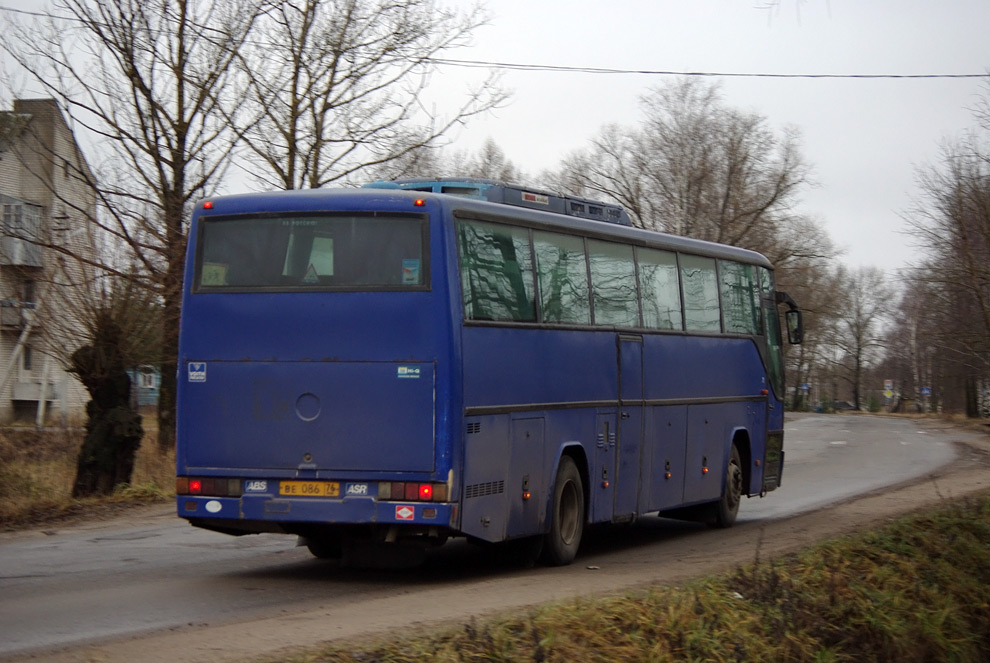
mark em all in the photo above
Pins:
pixel 70 586
pixel 832 457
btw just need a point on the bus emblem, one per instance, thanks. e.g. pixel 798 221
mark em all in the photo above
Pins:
pixel 408 372
pixel 197 371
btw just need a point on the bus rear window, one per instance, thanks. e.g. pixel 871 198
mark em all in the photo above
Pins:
pixel 298 253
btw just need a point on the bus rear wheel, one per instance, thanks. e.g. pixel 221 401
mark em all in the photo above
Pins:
pixel 566 515
pixel 727 508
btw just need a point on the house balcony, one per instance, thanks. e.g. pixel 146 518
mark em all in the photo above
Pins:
pixel 31 391
pixel 14 314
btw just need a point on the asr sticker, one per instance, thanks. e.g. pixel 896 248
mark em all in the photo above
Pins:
pixel 407 372
pixel 197 371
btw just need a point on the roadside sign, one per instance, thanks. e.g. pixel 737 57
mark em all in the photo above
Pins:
pixel 926 391
pixel 805 387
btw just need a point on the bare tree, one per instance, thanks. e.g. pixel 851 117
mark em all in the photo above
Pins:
pixel 337 86
pixel 147 82
pixel 916 356
pixel 488 162
pixel 867 298
pixel 121 323
pixel 950 223
pixel 952 226
pixel 166 89
pixel 696 167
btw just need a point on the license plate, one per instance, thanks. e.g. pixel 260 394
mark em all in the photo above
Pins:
pixel 309 488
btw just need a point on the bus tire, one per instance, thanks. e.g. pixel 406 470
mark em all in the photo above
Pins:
pixel 566 515
pixel 324 547
pixel 727 508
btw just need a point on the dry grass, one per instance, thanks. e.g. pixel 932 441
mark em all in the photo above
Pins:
pixel 916 591
pixel 38 468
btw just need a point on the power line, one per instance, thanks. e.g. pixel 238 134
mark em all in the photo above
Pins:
pixel 515 66
pixel 518 66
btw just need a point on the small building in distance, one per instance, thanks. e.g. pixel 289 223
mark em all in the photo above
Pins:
pixel 47 204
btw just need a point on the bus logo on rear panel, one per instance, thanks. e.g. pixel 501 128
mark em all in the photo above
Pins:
pixel 197 371
pixel 408 372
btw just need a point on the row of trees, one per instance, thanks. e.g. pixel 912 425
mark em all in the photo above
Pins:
pixel 943 322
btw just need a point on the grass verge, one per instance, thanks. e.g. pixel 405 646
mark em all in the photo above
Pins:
pixel 38 468
pixel 917 590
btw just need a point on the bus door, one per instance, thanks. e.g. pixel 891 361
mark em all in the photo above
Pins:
pixel 630 438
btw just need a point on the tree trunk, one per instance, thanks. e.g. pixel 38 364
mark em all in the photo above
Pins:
pixel 106 459
pixel 113 429
pixel 972 399
pixel 172 296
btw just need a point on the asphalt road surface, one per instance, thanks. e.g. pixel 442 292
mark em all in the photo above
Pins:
pixel 150 578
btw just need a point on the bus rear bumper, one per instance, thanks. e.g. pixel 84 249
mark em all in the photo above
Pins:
pixel 265 508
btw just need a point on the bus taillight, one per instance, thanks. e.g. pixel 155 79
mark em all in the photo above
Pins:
pixel 208 486
pixel 411 491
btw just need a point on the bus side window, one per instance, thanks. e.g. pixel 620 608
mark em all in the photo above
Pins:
pixel 660 290
pixel 613 284
pixel 563 278
pixel 496 272
pixel 740 298
pixel 701 311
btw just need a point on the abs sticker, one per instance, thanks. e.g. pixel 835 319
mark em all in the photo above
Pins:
pixel 407 372
pixel 255 486
pixel 197 371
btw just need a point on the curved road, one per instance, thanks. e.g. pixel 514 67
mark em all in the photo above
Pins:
pixel 96 584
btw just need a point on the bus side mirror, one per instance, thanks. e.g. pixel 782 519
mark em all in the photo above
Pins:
pixel 795 327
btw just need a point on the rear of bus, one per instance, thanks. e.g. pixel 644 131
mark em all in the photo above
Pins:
pixel 314 369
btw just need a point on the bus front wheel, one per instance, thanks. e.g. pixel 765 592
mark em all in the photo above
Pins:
pixel 727 508
pixel 566 515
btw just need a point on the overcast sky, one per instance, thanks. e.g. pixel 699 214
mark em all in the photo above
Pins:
pixel 864 138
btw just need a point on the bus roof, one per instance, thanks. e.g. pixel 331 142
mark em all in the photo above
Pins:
pixel 513 194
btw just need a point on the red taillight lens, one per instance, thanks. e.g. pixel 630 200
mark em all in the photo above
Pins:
pixel 208 486
pixel 412 492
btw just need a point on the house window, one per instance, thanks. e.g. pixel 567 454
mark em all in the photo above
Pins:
pixel 26 358
pixel 12 218
pixel 146 378
pixel 25 292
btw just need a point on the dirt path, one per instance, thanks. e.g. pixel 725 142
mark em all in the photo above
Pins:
pixel 700 553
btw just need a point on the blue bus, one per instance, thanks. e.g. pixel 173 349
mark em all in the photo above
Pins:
pixel 379 369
